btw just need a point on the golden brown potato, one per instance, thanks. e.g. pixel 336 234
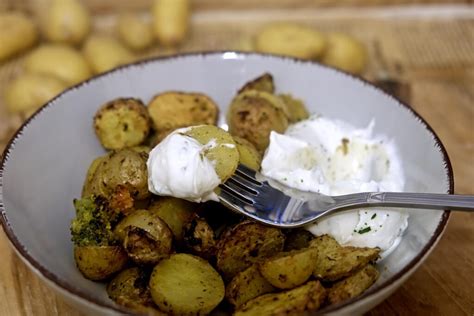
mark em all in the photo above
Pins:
pixel 123 167
pixel 17 34
pixel 290 40
pixel 244 245
pixel 122 123
pixel 28 92
pixel 254 114
pixel 346 53
pixel 105 53
pixel 99 262
pixel 65 21
pixel 146 238
pixel 175 212
pixel 224 154
pixel 262 83
pixel 353 285
pixel 299 301
pixel 60 61
pixel 296 108
pixel 170 20
pixel 297 239
pixel 171 110
pixel 289 269
pixel 247 285
pixel 134 31
pixel 335 262
pixel 199 237
pixel 131 285
pixel 249 155
pixel 186 285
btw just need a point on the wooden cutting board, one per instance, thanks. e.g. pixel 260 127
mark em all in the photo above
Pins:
pixel 429 50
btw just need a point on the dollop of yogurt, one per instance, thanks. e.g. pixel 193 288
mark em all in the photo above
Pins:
pixel 333 157
pixel 178 167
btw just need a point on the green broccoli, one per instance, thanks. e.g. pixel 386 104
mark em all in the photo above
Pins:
pixel 93 225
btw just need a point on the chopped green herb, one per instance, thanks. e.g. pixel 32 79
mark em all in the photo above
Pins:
pixel 373 216
pixel 364 230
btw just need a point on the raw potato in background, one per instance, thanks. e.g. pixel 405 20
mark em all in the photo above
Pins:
pixel 105 53
pixel 134 32
pixel 17 34
pixel 346 53
pixel 64 21
pixel 170 20
pixel 28 92
pixel 58 60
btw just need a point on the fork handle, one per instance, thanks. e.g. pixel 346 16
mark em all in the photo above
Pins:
pixel 411 200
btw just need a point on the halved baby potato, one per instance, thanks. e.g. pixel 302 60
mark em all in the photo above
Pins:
pixel 171 110
pixel 222 149
pixel 185 284
pixel 130 286
pixel 199 237
pixel 261 83
pixel 122 123
pixel 249 155
pixel 296 108
pixel 99 262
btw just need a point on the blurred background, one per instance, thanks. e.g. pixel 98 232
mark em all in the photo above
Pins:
pixel 419 50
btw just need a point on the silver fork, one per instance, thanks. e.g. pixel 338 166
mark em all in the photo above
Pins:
pixel 244 194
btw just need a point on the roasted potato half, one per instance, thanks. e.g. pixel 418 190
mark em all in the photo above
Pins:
pixel 244 245
pixel 335 262
pixel 296 108
pixel 247 285
pixel 122 123
pixel 123 167
pixel 185 284
pixel 299 301
pixel 288 270
pixel 249 155
pixel 174 212
pixel 353 285
pixel 199 237
pixel 262 83
pixel 298 238
pixel 254 114
pixel 99 262
pixel 223 153
pixel 130 286
pixel 172 110
pixel 146 238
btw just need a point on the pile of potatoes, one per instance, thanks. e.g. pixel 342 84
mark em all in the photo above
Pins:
pixel 67 50
pixel 168 256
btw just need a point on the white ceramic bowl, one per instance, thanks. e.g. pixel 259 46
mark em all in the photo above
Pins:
pixel 44 165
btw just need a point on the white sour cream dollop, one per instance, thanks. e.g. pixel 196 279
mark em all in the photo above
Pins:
pixel 334 158
pixel 178 167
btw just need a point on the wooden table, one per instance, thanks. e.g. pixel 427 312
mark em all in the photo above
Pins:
pixel 432 53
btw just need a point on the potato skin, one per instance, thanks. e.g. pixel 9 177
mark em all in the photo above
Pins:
pixel 60 61
pixel 290 40
pixel 248 154
pixel 99 262
pixel 199 237
pixel 353 285
pixel 185 284
pixel 298 301
pixel 261 83
pixel 296 108
pixel 134 32
pixel 288 270
pixel 17 34
pixel 224 155
pixel 170 20
pixel 298 238
pixel 335 262
pixel 171 110
pixel 105 53
pixel 145 237
pixel 254 114
pixel 247 285
pixel 346 53
pixel 130 285
pixel 122 123
pixel 174 212
pixel 28 92
pixel 123 167
pixel 244 245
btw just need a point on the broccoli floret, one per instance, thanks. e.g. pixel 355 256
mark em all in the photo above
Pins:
pixel 93 225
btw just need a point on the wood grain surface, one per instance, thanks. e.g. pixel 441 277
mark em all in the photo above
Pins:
pixel 432 55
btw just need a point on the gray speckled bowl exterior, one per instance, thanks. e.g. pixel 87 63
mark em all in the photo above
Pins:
pixel 44 165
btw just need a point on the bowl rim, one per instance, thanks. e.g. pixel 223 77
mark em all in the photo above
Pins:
pixel 87 297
